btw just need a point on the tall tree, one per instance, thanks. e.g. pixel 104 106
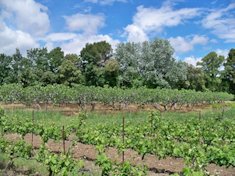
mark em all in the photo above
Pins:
pixel 27 74
pixel 210 65
pixel 147 63
pixel 39 58
pixel 93 61
pixel 128 55
pixel 42 66
pixel 229 71
pixel 177 75
pixel 5 69
pixel 111 72
pixel 69 72
pixel 156 62
pixel 195 78
pixel 14 76
pixel 56 57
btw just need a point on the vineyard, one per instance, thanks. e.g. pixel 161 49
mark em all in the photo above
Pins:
pixel 117 88
pixel 200 142
pixel 197 142
pixel 117 98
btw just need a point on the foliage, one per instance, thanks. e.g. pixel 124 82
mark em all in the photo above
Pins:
pixel 131 65
pixel 56 164
pixel 151 62
pixel 229 72
pixel 93 58
pixel 196 79
pixel 210 65
pixel 69 72
pixel 82 95
pixel 197 141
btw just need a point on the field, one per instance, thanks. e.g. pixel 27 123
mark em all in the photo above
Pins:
pixel 67 140
pixel 117 88
pixel 129 136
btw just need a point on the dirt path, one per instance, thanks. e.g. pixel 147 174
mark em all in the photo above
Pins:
pixel 72 109
pixel 165 166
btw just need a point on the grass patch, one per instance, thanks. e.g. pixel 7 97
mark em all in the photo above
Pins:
pixel 48 118
pixel 31 166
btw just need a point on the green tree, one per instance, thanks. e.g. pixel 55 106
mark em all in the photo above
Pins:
pixel 5 62
pixel 27 74
pixel 56 57
pixel 195 78
pixel 14 75
pixel 128 56
pixel 229 71
pixel 39 58
pixel 42 66
pixel 210 65
pixel 147 63
pixel 69 72
pixel 111 72
pixel 156 63
pixel 16 69
pixel 177 75
pixel 93 61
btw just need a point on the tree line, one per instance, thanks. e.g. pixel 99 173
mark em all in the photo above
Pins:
pixel 150 64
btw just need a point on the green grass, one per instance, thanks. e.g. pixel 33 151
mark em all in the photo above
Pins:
pixel 35 167
pixel 94 118
pixel 22 164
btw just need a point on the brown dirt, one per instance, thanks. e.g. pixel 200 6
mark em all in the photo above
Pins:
pixel 12 137
pixel 37 141
pixel 83 151
pixel 73 109
pixel 221 170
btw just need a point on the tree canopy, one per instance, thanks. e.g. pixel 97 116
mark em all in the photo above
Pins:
pixel 150 64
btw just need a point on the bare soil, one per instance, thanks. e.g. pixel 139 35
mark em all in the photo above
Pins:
pixel 73 109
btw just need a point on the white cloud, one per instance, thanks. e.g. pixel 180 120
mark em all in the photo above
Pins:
pixel 12 39
pixel 85 30
pixel 185 44
pixel 148 20
pixel 222 52
pixel 222 22
pixel 73 43
pixel 135 34
pixel 76 45
pixel 86 27
pixel 55 37
pixel 198 39
pixel 86 23
pixel 192 60
pixel 26 15
pixel 22 24
pixel 105 2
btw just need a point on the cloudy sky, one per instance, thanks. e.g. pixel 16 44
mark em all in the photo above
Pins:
pixel 193 27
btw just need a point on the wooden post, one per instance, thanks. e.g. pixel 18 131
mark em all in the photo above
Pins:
pixel 46 106
pixel 222 115
pixel 123 137
pixel 33 125
pixel 63 138
pixel 151 126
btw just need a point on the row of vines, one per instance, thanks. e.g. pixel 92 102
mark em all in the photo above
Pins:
pixel 82 95
pixel 199 141
pixel 57 164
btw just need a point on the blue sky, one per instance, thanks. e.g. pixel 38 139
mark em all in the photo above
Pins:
pixel 193 27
